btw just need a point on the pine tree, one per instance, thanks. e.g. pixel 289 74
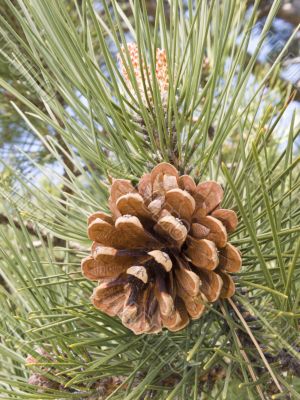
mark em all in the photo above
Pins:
pixel 115 90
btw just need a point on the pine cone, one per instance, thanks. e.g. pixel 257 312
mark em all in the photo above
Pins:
pixel 43 382
pixel 163 252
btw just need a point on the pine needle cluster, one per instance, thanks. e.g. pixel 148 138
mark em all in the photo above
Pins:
pixel 220 119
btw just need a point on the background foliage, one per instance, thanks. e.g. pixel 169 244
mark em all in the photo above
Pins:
pixel 83 125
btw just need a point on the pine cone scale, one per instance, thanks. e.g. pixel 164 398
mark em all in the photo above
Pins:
pixel 203 253
pixel 211 284
pixel 133 204
pixel 227 217
pixel 180 203
pixel 208 196
pixel 228 287
pixel 230 258
pixel 216 230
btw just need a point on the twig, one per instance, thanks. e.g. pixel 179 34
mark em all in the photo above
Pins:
pixel 40 233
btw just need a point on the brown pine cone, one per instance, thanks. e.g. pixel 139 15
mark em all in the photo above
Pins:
pixel 163 252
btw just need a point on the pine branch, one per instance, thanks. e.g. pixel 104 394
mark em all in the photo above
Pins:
pixel 32 229
pixel 102 121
